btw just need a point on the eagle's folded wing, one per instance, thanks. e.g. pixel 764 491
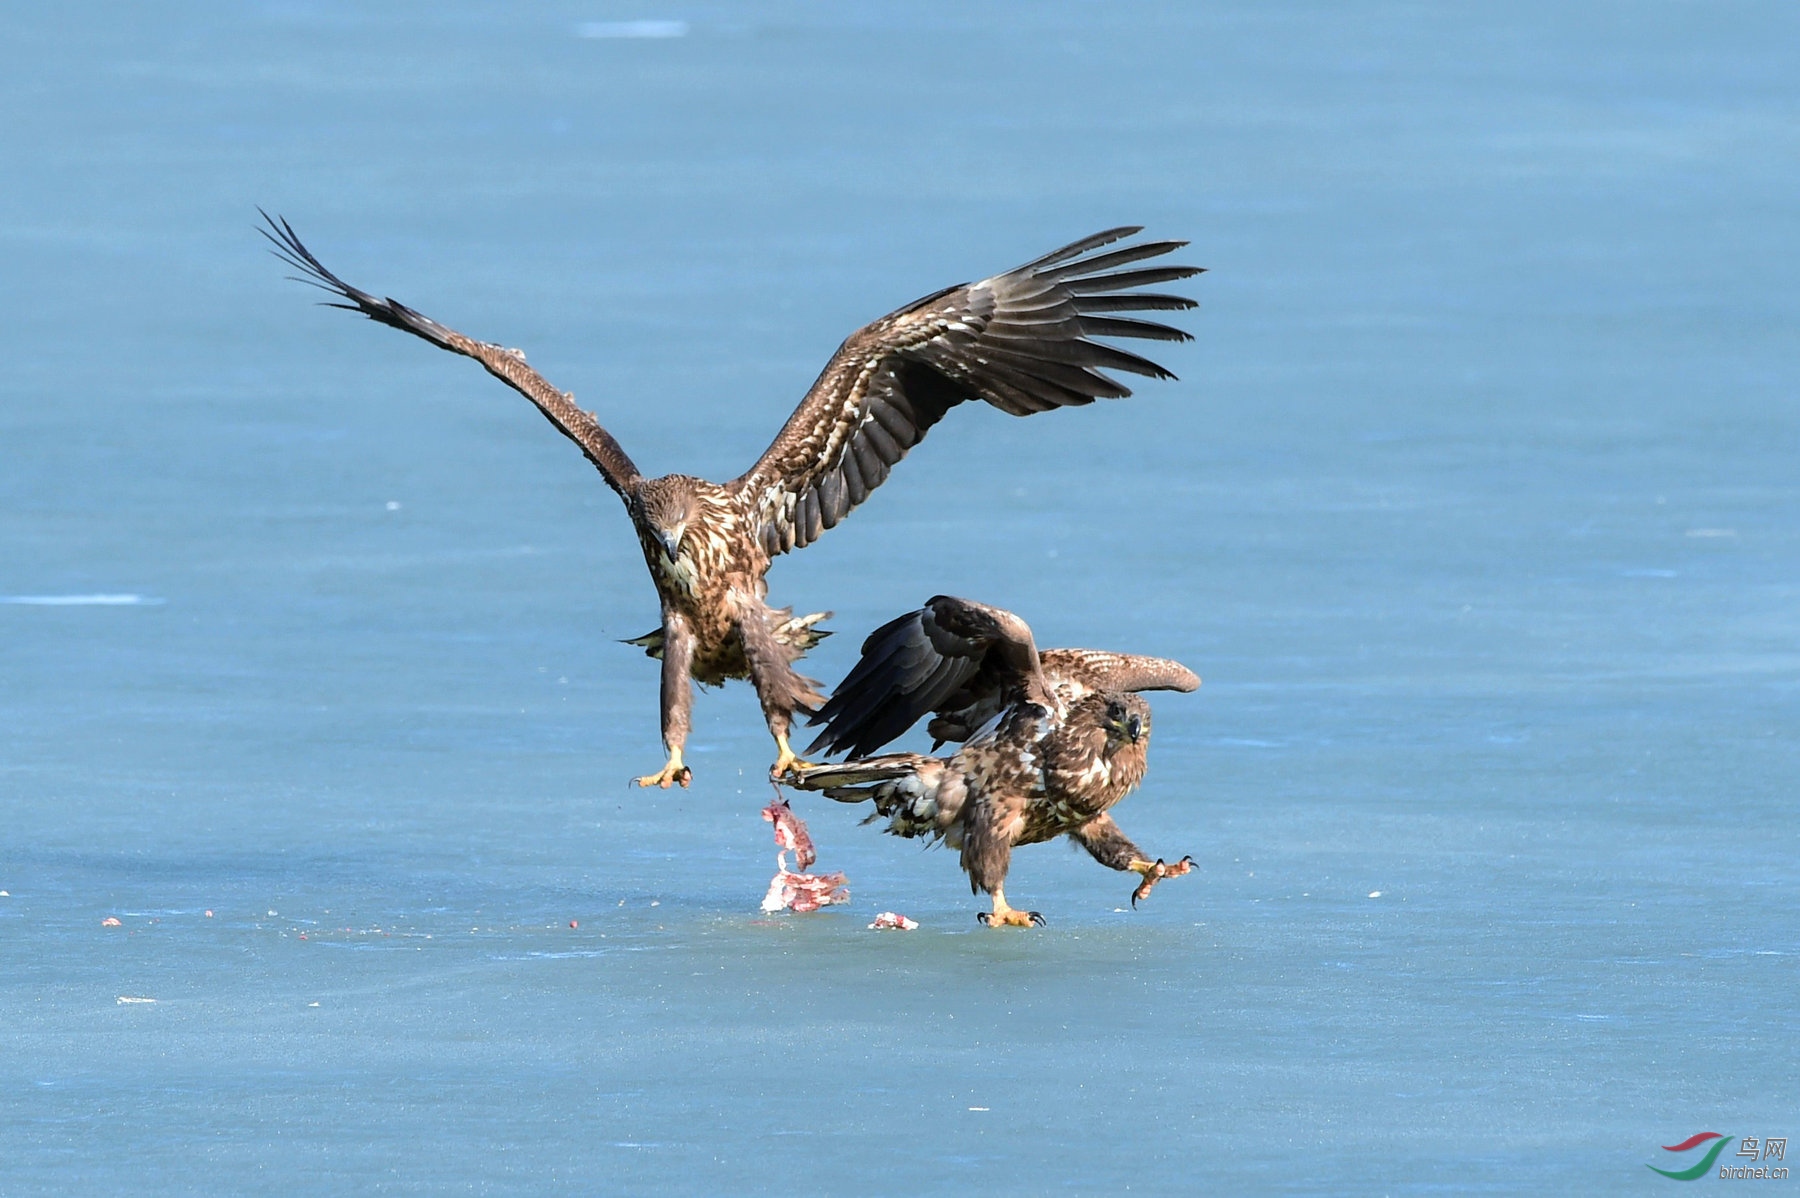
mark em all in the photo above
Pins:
pixel 1022 341
pixel 1098 670
pixel 951 655
pixel 507 365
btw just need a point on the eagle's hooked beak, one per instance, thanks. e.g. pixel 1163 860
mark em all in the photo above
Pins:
pixel 671 542
pixel 1134 728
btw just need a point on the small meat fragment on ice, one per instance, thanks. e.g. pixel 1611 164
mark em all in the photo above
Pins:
pixel 790 832
pixel 893 919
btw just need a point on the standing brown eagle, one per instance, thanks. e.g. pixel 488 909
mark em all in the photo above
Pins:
pixel 1052 741
pixel 1022 341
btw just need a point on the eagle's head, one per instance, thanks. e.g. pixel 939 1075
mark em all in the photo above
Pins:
pixel 663 508
pixel 1126 720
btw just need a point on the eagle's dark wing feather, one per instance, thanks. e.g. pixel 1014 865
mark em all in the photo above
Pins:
pixel 1022 341
pixel 949 654
pixel 1097 670
pixel 507 365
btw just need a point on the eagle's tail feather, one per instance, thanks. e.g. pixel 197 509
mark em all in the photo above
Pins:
pixel 801 632
pixel 651 642
pixel 903 786
pixel 798 633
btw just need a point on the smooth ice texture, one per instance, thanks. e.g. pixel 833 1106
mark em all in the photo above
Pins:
pixel 1477 506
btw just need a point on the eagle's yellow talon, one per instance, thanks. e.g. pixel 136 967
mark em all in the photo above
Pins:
pixel 1005 916
pixel 1154 872
pixel 1011 919
pixel 786 761
pixel 673 772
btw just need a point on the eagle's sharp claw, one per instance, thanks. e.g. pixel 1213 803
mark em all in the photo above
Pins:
pixel 787 765
pixel 1038 920
pixel 669 774
pixel 981 917
pixel 787 762
pixel 1156 873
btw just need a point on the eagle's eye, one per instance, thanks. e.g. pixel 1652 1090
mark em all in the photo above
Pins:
pixel 1115 714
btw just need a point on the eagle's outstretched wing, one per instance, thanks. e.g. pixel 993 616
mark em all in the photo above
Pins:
pixel 1022 341
pixel 1097 670
pixel 507 365
pixel 949 655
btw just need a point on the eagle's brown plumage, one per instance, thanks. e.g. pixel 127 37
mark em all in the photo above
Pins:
pixel 1053 741
pixel 1022 341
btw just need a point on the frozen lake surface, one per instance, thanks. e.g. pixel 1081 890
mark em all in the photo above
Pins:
pixel 1477 506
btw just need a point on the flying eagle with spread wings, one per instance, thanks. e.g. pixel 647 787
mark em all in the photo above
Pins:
pixel 1022 341
pixel 1051 741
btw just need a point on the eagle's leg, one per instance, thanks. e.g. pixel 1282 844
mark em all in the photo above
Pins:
pixel 1108 845
pixel 1005 916
pixel 677 700
pixel 778 688
pixel 987 855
